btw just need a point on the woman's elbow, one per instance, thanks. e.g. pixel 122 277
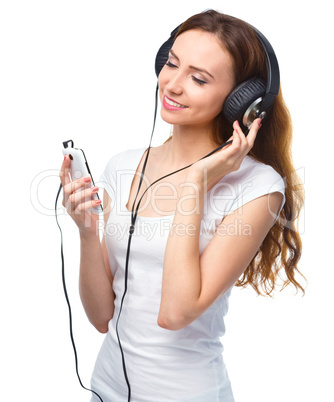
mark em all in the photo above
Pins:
pixel 101 326
pixel 103 329
pixel 172 322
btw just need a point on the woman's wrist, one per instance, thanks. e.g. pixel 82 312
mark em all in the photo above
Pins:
pixel 196 177
pixel 89 235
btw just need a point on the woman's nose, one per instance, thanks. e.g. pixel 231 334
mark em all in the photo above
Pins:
pixel 175 83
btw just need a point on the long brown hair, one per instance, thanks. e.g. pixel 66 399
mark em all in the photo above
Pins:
pixel 281 249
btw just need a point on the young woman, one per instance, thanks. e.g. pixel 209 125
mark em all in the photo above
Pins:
pixel 226 220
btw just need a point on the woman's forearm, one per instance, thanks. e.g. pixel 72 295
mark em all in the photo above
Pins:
pixel 96 291
pixel 181 283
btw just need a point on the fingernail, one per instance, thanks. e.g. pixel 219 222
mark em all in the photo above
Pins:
pixel 87 179
pixel 71 157
pixel 98 202
pixel 95 189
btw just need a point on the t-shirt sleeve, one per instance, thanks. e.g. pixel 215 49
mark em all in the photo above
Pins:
pixel 107 180
pixel 255 181
pixel 124 161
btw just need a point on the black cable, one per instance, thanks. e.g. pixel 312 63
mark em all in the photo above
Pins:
pixel 179 170
pixel 119 314
pixel 132 227
pixel 134 214
pixel 68 302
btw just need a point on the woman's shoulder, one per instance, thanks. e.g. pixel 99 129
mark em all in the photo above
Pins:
pixel 252 169
pixel 125 158
pixel 253 179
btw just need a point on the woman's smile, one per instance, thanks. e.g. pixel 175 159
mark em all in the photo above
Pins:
pixel 171 104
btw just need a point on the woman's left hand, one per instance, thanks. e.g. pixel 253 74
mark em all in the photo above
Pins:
pixel 213 168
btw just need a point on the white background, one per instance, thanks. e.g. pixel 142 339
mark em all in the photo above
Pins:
pixel 84 70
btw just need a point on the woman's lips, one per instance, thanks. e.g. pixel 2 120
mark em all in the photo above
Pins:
pixel 170 104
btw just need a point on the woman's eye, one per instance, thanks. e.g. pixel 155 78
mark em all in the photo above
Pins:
pixel 169 64
pixel 198 81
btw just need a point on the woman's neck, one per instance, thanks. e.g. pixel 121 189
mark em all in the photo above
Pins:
pixel 187 145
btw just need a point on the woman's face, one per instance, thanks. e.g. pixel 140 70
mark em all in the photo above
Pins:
pixel 195 80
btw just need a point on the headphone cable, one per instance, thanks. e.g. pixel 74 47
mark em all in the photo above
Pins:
pixel 68 300
pixel 134 214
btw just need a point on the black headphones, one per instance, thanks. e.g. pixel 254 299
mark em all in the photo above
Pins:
pixel 252 98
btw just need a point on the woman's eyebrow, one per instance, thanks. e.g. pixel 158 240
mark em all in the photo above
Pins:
pixel 201 70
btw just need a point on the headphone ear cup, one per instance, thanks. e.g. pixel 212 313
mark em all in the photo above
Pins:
pixel 241 98
pixel 162 55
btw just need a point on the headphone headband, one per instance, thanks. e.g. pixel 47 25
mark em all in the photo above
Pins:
pixel 273 74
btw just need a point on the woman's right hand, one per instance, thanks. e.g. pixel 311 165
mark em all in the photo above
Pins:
pixel 78 203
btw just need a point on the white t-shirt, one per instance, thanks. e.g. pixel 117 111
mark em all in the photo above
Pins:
pixel 164 365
